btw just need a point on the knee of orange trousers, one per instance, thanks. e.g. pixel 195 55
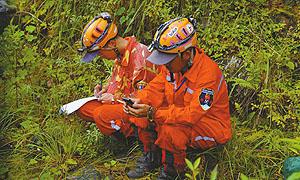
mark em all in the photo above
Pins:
pixel 172 138
pixel 111 118
pixel 114 126
pixel 86 111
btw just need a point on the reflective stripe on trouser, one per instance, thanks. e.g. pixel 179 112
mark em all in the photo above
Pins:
pixel 109 118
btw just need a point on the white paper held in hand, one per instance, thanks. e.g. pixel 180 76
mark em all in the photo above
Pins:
pixel 75 105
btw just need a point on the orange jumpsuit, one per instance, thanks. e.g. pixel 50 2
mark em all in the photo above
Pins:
pixel 192 111
pixel 126 75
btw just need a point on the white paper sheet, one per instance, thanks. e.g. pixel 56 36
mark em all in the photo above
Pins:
pixel 75 105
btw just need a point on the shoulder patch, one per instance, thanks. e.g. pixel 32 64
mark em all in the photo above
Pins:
pixel 206 98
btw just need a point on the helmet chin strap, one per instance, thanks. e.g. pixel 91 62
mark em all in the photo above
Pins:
pixel 186 67
pixel 118 54
pixel 171 76
pixel 189 64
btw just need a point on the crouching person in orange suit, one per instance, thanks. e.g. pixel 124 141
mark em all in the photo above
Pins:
pixel 131 72
pixel 187 103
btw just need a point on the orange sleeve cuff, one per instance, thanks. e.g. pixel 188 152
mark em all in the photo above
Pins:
pixel 161 115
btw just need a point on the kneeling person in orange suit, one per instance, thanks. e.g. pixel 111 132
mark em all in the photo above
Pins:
pixel 131 72
pixel 187 102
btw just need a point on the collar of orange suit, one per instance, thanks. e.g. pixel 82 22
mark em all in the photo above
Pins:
pixel 191 73
pixel 125 58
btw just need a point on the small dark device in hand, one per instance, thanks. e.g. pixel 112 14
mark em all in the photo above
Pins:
pixel 128 101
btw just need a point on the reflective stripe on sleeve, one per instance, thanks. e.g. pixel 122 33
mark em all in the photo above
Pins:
pixel 221 80
pixel 189 90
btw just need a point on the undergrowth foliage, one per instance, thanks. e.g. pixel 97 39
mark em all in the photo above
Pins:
pixel 255 42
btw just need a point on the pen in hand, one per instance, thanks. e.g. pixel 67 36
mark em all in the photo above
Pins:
pixel 100 92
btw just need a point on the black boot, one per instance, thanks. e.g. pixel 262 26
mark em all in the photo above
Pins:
pixel 146 163
pixel 168 171
pixel 119 136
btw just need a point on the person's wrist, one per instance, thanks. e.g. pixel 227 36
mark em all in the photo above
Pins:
pixel 150 113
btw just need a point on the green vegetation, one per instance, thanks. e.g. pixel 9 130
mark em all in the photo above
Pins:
pixel 256 42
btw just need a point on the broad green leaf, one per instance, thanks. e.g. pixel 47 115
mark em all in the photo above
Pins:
pixel 26 124
pixel 30 37
pixel 189 164
pixel 237 106
pixel 55 171
pixel 197 162
pixel 71 161
pixel 243 177
pixel 188 175
pixel 123 19
pixel 30 28
pixel 19 34
pixel 294 176
pixel 113 162
pixel 244 83
pixel 214 173
pixel 32 161
pixel 120 11
pixel 44 24
pixel 290 65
